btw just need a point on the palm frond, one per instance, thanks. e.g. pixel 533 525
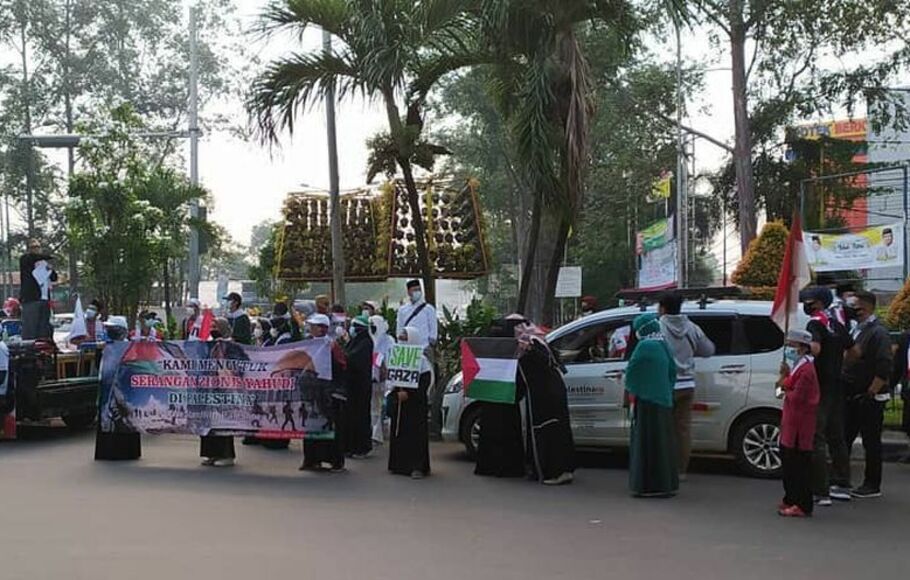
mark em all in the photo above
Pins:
pixel 298 15
pixel 429 70
pixel 295 82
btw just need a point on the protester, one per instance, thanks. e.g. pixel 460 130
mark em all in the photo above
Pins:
pixel 866 377
pixel 36 277
pixel 901 376
pixel 193 312
pixel 409 448
pixel 323 304
pixel 147 327
pixel 12 323
pixel 279 329
pixel 218 450
pixel 799 381
pixel 686 341
pixel 241 329
pixel 359 353
pixel 588 306
pixel 830 340
pixel 261 330
pixel 94 324
pixel 500 445
pixel 382 347
pixel 650 377
pixel 369 308
pixel 120 444
pixel 301 312
pixel 418 314
pixel 318 453
pixel 551 447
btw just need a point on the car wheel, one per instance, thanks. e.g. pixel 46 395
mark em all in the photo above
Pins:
pixel 470 430
pixel 756 445
pixel 79 421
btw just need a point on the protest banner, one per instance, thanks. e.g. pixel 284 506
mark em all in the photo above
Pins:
pixel 218 388
pixel 404 366
pixel 657 269
pixel 867 249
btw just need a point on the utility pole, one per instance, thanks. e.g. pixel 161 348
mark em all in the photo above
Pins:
pixel 338 268
pixel 682 226
pixel 193 262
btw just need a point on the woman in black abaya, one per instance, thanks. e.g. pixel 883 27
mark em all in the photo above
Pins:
pixel 551 448
pixel 409 449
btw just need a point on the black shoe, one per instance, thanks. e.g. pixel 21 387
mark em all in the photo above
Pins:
pixel 840 493
pixel 866 492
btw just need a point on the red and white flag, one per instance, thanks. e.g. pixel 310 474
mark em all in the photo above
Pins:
pixel 202 328
pixel 794 276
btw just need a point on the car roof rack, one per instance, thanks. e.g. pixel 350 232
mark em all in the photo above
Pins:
pixel 704 296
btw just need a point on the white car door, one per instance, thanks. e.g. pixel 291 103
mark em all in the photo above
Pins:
pixel 595 360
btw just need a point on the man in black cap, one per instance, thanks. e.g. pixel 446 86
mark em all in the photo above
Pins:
pixel 830 340
pixel 241 328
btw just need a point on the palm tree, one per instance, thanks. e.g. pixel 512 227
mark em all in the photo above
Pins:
pixel 393 51
pixel 544 91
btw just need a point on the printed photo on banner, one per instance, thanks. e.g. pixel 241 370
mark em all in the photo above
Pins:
pixel 657 268
pixel 873 247
pixel 404 366
pixel 223 388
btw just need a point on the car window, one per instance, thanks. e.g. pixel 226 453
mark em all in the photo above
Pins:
pixel 605 342
pixel 762 334
pixel 722 332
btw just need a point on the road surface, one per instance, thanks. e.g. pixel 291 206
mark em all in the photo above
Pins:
pixel 165 517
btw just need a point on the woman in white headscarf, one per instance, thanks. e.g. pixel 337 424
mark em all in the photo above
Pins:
pixel 409 449
pixel 382 345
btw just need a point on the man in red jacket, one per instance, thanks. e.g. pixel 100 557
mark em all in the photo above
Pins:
pixel 799 381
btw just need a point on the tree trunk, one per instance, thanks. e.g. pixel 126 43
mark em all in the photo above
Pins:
pixel 529 260
pixel 26 106
pixel 540 289
pixel 70 153
pixel 167 293
pixel 420 232
pixel 742 151
pixel 556 262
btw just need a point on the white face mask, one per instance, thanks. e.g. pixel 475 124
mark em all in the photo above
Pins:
pixel 416 296
pixel 90 314
pixel 273 333
pixel 365 313
pixel 191 312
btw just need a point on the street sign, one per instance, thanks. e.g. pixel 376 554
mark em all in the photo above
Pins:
pixel 568 285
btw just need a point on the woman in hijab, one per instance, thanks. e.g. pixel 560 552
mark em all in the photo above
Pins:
pixel 500 446
pixel 359 351
pixel 650 378
pixel 382 346
pixel 551 447
pixel 122 443
pixel 409 450
pixel 218 450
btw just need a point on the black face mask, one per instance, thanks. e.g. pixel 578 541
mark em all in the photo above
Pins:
pixel 808 309
pixel 215 335
pixel 372 330
pixel 849 313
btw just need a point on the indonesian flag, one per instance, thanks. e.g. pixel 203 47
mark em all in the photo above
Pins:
pixel 490 366
pixel 794 276
pixel 202 326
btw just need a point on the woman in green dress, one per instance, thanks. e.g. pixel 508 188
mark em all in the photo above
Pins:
pixel 650 378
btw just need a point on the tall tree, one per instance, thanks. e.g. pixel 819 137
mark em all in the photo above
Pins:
pixel 393 51
pixel 778 52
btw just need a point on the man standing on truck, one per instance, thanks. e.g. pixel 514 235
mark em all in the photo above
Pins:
pixel 36 276
pixel 686 341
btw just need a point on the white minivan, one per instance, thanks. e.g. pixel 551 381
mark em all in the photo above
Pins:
pixel 735 410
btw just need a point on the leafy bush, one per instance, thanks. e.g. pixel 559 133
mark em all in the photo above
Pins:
pixel 899 312
pixel 760 267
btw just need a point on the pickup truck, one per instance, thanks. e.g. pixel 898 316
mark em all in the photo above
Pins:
pixel 45 383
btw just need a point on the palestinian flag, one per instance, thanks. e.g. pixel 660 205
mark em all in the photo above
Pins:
pixel 490 366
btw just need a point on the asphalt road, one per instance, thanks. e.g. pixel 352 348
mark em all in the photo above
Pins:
pixel 65 516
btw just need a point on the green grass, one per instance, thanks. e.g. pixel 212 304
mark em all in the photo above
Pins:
pixel 894 413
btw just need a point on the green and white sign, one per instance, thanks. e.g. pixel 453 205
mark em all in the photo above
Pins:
pixel 404 366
